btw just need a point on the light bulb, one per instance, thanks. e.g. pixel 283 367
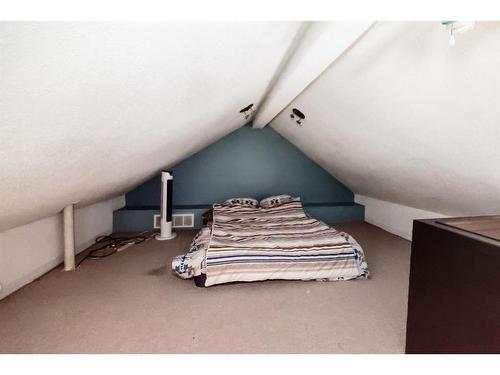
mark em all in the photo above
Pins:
pixel 452 40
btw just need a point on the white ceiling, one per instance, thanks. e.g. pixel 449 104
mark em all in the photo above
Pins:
pixel 89 110
pixel 405 118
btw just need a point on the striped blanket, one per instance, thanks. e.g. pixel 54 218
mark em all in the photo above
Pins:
pixel 250 244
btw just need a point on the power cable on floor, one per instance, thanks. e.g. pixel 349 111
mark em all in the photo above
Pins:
pixel 111 244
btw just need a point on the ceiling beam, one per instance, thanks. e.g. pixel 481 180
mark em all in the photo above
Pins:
pixel 316 46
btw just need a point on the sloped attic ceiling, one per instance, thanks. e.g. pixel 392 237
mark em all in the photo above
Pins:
pixel 406 118
pixel 89 110
pixel 317 45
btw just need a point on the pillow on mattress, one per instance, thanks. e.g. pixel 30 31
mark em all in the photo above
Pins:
pixel 246 202
pixel 275 200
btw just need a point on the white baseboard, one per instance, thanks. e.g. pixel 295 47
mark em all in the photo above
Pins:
pixel 28 277
pixel 392 217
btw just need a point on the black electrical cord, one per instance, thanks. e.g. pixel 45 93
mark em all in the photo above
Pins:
pixel 110 245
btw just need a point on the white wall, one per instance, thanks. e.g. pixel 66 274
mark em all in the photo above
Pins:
pixel 392 217
pixel 404 117
pixel 29 251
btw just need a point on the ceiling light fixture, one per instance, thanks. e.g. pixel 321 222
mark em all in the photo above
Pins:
pixel 457 27
pixel 247 111
pixel 298 114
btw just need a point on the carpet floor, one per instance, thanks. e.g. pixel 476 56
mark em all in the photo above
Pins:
pixel 131 303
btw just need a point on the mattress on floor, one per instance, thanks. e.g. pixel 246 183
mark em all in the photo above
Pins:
pixel 252 244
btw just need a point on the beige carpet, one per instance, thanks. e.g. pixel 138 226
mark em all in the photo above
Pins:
pixel 129 303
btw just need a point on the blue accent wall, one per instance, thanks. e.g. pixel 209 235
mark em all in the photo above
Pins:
pixel 246 163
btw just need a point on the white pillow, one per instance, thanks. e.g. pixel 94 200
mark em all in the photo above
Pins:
pixel 246 202
pixel 275 200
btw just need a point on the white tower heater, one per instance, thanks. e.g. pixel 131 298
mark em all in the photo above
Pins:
pixel 166 207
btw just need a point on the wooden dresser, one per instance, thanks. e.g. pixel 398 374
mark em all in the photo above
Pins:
pixel 454 291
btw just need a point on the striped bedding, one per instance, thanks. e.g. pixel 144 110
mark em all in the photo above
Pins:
pixel 283 242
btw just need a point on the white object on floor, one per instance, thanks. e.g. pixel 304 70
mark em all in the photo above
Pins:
pixel 166 207
pixel 126 246
pixel 69 238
